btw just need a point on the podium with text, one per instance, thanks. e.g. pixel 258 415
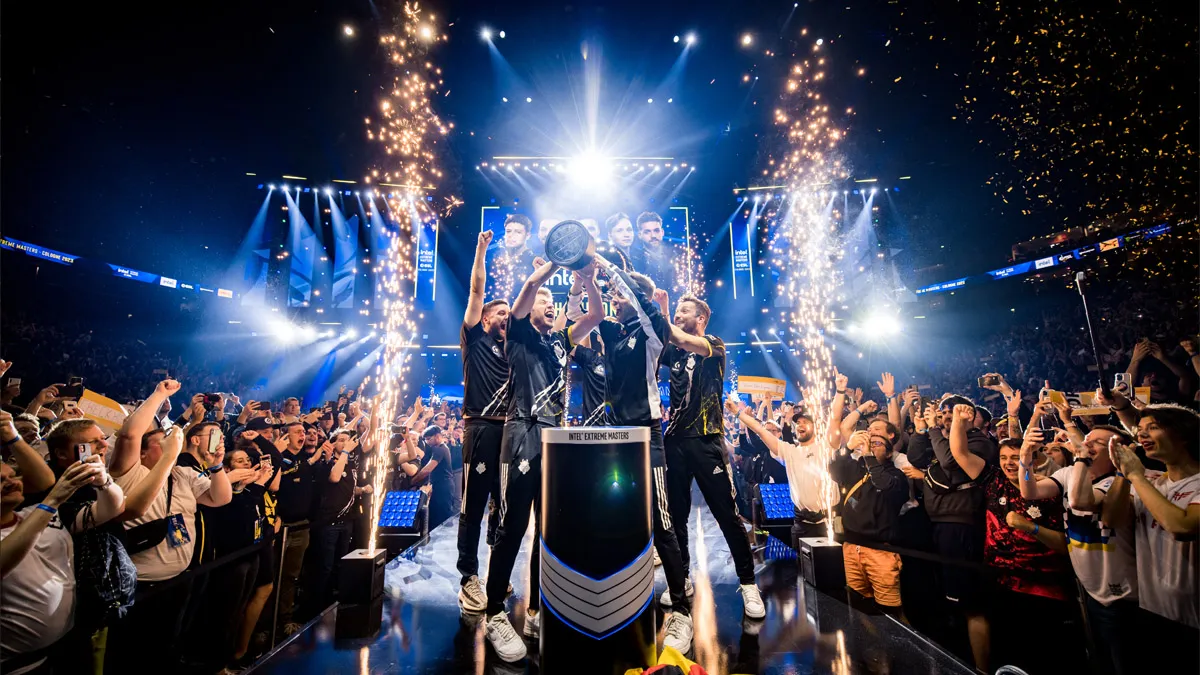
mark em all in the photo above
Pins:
pixel 597 558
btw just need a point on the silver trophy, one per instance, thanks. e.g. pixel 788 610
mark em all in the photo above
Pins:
pixel 570 245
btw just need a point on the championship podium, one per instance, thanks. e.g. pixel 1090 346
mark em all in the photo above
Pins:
pixel 597 558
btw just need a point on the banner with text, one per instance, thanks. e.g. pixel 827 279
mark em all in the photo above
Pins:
pixel 749 384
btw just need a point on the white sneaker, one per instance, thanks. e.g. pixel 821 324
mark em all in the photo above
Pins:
pixel 657 560
pixel 678 633
pixel 508 645
pixel 665 598
pixel 533 624
pixel 752 602
pixel 471 597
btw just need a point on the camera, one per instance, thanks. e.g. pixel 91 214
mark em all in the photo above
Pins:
pixel 211 401
pixel 989 381
pixel 73 390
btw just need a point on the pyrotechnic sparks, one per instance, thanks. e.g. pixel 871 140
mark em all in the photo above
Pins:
pixel 410 132
pixel 805 155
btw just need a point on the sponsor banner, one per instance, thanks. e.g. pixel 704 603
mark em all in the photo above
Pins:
pixel 130 273
pixel 1043 263
pixel 749 384
pixel 944 286
pixel 35 251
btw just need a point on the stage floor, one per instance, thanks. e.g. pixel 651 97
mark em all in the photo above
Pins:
pixel 805 631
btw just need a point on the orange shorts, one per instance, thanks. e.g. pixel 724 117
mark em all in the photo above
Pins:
pixel 873 573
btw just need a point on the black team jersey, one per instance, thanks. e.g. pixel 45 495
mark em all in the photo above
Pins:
pixel 631 352
pixel 485 373
pixel 696 389
pixel 537 364
pixel 590 377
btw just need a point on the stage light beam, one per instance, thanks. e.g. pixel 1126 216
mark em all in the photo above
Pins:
pixel 486 34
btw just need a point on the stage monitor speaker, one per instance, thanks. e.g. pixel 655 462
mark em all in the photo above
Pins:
pixel 359 621
pixel 360 576
pixel 821 564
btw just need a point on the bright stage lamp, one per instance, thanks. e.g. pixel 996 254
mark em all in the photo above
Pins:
pixel 883 324
pixel 676 39
pixel 690 39
pixel 591 170
pixel 351 334
pixel 486 33
pixel 308 333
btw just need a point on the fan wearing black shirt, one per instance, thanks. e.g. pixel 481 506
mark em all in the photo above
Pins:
pixel 633 345
pixel 695 440
pixel 485 403
pixel 537 358
pixel 331 528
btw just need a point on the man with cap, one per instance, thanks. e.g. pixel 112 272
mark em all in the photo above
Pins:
pixel 436 472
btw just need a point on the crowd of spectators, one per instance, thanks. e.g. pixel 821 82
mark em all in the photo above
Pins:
pixel 122 541
pixel 1028 507
pixel 188 517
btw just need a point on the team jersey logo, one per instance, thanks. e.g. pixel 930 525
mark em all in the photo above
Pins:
pixel 599 370
pixel 480 468
pixel 523 466
pixel 560 353
pixel 496 351
pixel 632 341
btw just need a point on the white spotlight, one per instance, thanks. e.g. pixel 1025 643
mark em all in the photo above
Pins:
pixel 747 40
pixel 690 39
pixel 649 100
pixel 272 186
pixel 486 33
pixel 348 30
pixel 528 99
pixel 351 334
pixel 502 36
pixel 308 333
pixel 676 40
pixel 328 191
pixel 590 169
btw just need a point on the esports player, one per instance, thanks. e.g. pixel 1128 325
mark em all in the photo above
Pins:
pixel 537 358
pixel 485 402
pixel 633 344
pixel 695 444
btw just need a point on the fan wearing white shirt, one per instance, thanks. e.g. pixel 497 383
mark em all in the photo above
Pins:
pixel 1102 556
pixel 1165 507
pixel 36 561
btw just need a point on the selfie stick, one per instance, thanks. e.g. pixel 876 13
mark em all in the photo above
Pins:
pixel 1080 278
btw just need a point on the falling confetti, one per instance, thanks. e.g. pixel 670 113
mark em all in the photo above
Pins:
pixel 1096 108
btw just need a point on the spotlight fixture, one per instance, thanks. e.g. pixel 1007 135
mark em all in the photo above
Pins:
pixel 649 100
pixel 348 30
pixel 272 186
pixel 502 36
pixel 690 39
pixel 747 40
pixel 504 99
pixel 486 34
pixel 670 100
pixel 676 40
pixel 529 99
